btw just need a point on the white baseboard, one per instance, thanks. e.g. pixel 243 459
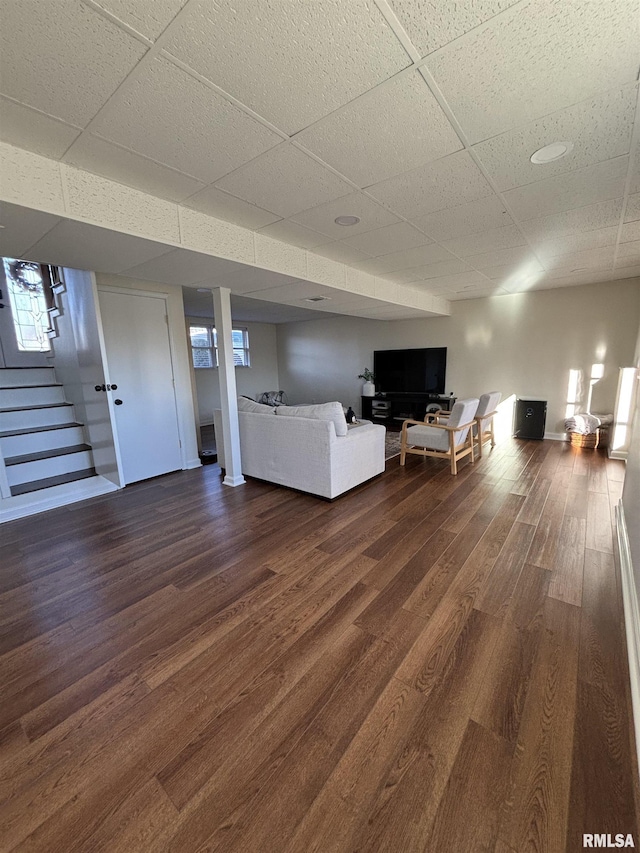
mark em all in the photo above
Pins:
pixel 631 617
pixel 21 506
pixel 193 463
pixel 618 454
pixel 556 436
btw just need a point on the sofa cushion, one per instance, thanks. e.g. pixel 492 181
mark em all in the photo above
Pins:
pixel 247 405
pixel 320 412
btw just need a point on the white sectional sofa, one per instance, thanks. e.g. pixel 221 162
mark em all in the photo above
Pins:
pixel 310 448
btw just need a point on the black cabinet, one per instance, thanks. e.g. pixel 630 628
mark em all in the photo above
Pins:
pixel 529 418
pixel 392 409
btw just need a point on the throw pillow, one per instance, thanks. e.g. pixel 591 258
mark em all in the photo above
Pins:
pixel 320 412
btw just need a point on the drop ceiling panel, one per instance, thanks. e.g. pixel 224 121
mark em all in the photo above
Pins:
pixel 430 271
pixel 633 208
pixel 599 128
pixel 506 237
pixel 518 256
pixel 183 267
pixel 419 256
pixel 210 136
pixel 289 61
pixel 432 24
pixel 568 245
pixel 221 205
pixel 87 247
pixel 286 181
pixel 629 250
pixel 33 130
pixel 539 57
pixel 297 235
pixel 445 183
pixel 341 252
pixel 66 60
pixel 367 150
pixel 322 218
pixel 601 258
pixel 483 215
pixel 529 272
pixel 630 231
pixel 590 218
pixel 448 283
pixel 22 228
pixel 121 165
pixel 253 279
pixel 565 192
pixel 149 19
pixel 390 238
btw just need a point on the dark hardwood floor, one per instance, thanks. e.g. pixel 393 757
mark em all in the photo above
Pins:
pixel 430 663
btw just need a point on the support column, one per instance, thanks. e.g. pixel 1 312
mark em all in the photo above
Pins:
pixel 228 393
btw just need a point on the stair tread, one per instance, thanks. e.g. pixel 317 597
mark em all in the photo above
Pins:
pixel 28 430
pixel 48 482
pixel 30 408
pixel 38 385
pixel 46 454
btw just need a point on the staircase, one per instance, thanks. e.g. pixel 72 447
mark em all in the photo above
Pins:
pixel 41 441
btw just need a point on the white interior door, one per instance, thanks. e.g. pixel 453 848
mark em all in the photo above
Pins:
pixel 139 368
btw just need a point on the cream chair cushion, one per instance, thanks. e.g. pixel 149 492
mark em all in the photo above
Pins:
pixel 432 438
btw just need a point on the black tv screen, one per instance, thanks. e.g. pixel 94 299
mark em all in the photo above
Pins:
pixel 416 371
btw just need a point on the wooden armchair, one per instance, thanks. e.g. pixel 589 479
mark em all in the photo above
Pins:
pixel 448 436
pixel 483 428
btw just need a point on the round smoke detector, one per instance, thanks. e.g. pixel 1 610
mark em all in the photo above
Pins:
pixel 550 153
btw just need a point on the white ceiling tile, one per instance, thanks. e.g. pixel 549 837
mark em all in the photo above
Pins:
pixel 626 272
pixel 183 266
pixel 508 275
pixel 486 213
pixel 539 57
pixel 506 237
pixel 390 238
pixel 289 61
pixel 118 164
pixel 297 235
pixel 217 203
pixel 630 231
pixel 87 247
pixel 322 217
pixel 366 150
pixel 546 248
pixel 453 282
pixel 33 130
pixel 430 271
pixel 633 208
pixel 518 256
pixel 599 128
pixel 559 278
pixel 149 19
pixel 407 259
pixel 285 181
pixel 63 58
pixel 593 217
pixel 210 136
pixel 253 279
pixel 339 251
pixel 601 258
pixel 431 24
pixel 276 255
pixel 202 232
pixel 95 199
pixel 326 270
pixel 629 250
pixel 634 186
pixel 583 187
pixel 445 183
pixel 22 227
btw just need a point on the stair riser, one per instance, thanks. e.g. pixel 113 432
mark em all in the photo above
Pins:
pixel 42 468
pixel 32 442
pixel 10 377
pixel 13 398
pixel 23 419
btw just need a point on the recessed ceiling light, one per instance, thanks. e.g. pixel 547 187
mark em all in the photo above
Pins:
pixel 550 153
pixel 317 298
pixel 347 220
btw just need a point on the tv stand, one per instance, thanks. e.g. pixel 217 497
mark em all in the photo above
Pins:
pixel 392 408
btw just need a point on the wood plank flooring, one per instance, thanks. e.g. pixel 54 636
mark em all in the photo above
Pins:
pixel 430 663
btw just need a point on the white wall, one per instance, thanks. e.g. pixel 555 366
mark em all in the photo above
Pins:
pixel 180 356
pixel 251 381
pixel 631 492
pixel 523 345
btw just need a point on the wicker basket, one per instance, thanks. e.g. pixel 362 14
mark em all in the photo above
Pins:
pixel 588 442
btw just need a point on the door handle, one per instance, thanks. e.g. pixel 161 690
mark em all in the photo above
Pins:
pixel 112 387
pixel 101 387
pixel 118 402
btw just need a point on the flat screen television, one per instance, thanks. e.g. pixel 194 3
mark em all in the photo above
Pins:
pixel 415 371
